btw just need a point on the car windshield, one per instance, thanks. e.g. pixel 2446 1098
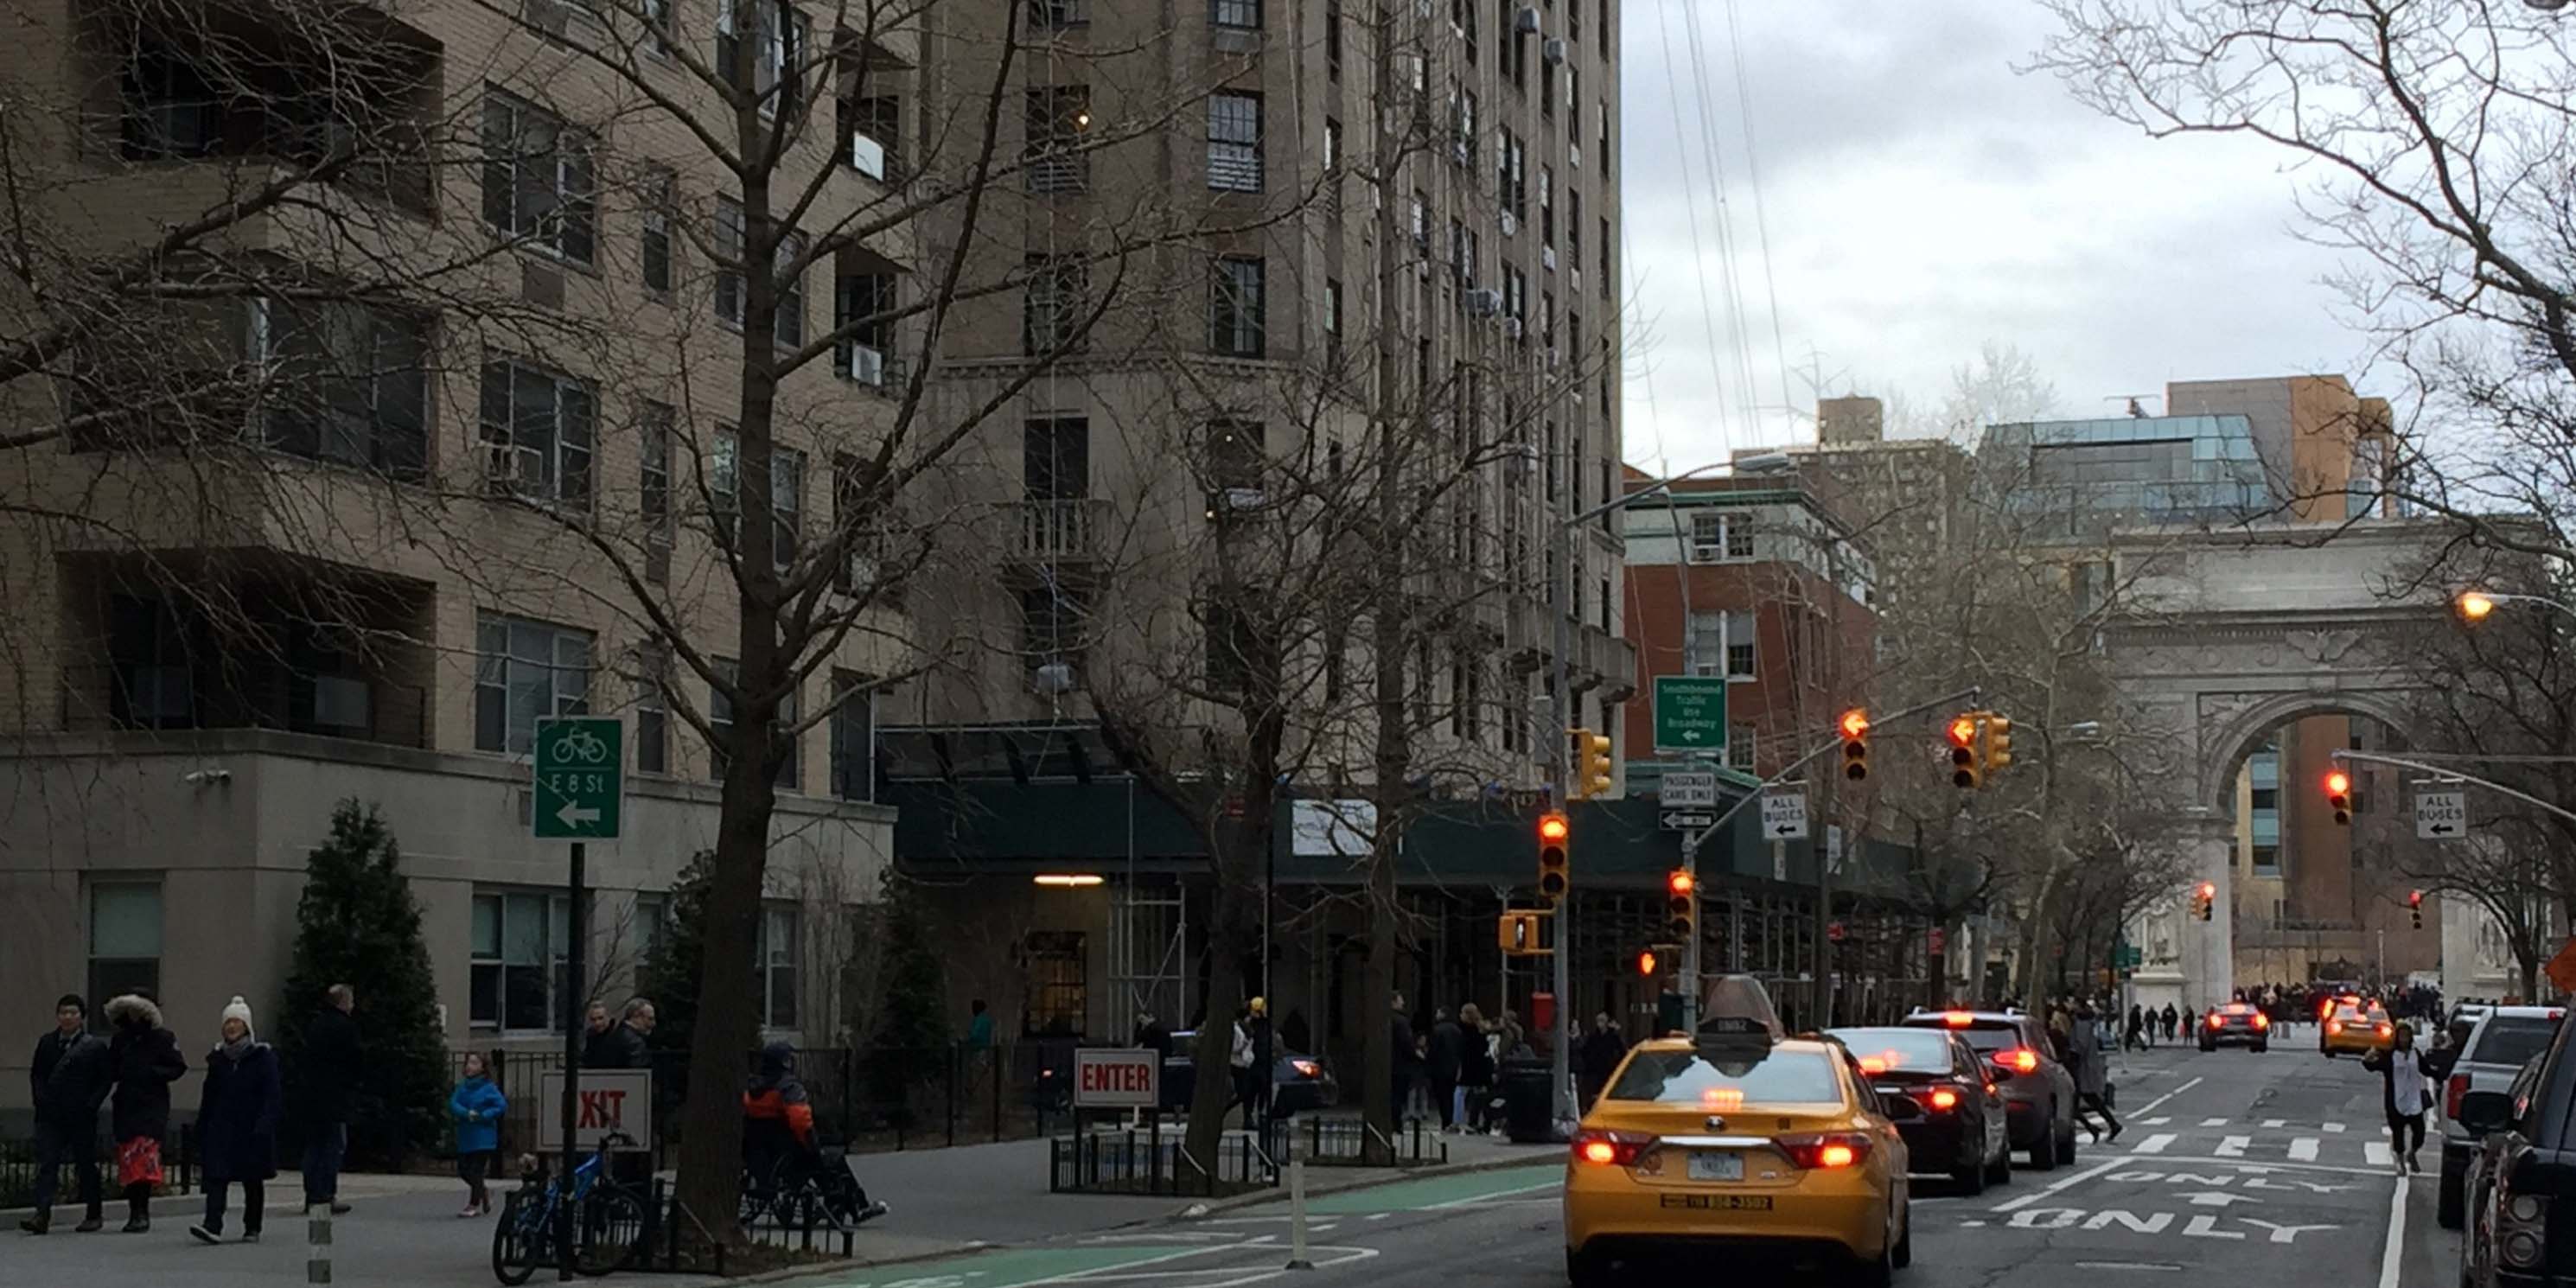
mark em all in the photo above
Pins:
pixel 2511 1039
pixel 1682 1078
pixel 1898 1050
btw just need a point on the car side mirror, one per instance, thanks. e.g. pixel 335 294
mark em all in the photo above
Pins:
pixel 2485 1111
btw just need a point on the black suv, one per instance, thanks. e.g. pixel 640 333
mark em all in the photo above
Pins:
pixel 2520 1186
pixel 2039 1092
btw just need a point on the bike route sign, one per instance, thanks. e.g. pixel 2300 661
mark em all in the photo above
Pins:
pixel 580 778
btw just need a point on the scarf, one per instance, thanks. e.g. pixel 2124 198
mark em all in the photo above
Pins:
pixel 236 1051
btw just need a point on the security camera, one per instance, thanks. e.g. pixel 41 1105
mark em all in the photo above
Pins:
pixel 201 777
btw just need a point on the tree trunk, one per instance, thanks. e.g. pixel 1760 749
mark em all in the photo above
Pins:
pixel 727 1027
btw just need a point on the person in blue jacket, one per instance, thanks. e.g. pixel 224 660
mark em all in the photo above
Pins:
pixel 477 1106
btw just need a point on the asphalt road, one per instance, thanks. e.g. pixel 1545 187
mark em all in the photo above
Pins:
pixel 2263 1168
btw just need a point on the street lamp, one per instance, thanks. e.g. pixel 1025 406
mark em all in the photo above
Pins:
pixel 2476 605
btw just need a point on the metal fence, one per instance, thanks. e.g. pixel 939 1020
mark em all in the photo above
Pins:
pixel 865 1100
pixel 1345 1142
pixel 1156 1162
pixel 18 1170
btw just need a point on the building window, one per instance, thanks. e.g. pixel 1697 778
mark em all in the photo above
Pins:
pixel 873 125
pixel 777 72
pixel 1704 643
pixel 352 383
pixel 854 739
pixel 1234 315
pixel 791 289
pixel 537 432
pixel 858 512
pixel 1546 206
pixel 1057 117
pixel 1055 458
pixel 1053 626
pixel 860 305
pixel 1058 992
pixel 653 491
pixel 780 932
pixel 525 671
pixel 539 181
pixel 656 221
pixel 786 504
pixel 1332 146
pixel 720 722
pixel 653 712
pixel 1707 537
pixel 1739 747
pixel 516 961
pixel 1333 326
pixel 1738 628
pixel 1051 312
pixel 1235 13
pixel 1512 182
pixel 790 285
pixel 1234 457
pixel 1333 39
pixel 124 941
pixel 1234 142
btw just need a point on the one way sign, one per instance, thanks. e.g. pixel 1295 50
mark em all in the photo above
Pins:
pixel 2441 816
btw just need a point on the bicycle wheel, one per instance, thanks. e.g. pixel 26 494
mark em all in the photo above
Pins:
pixel 518 1243
pixel 612 1234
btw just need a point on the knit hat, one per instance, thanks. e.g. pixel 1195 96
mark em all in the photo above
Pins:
pixel 238 1009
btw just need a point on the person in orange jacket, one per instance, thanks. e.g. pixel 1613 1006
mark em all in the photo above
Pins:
pixel 777 1118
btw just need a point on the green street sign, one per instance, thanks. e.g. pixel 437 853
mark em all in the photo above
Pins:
pixel 1690 713
pixel 580 778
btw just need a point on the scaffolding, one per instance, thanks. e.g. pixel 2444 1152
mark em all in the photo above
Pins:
pixel 1149 931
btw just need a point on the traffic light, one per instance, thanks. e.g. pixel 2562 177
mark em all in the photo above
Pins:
pixel 1589 760
pixel 2339 795
pixel 1994 751
pixel 1554 876
pixel 2415 907
pixel 1519 933
pixel 1964 769
pixel 2207 899
pixel 1646 962
pixel 1855 726
pixel 1681 906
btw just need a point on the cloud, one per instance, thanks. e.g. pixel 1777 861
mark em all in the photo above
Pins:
pixel 1921 198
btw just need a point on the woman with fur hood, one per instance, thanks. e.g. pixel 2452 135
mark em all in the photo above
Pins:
pixel 146 1060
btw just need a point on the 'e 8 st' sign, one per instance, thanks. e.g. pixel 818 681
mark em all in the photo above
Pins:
pixel 580 782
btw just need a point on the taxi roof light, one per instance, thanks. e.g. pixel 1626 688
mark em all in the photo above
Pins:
pixel 1958 1019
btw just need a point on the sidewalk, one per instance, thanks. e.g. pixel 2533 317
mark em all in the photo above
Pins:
pixel 405 1234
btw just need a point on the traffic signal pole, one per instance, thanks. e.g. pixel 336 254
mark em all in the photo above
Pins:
pixel 2446 771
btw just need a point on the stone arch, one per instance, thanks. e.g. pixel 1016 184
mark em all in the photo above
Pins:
pixel 2224 748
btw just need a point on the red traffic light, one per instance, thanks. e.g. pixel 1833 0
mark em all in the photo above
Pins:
pixel 1963 732
pixel 1646 962
pixel 1855 723
pixel 1552 827
pixel 2414 898
pixel 2208 889
pixel 2338 783
pixel 1681 882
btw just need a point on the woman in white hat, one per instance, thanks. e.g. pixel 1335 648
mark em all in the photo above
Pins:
pixel 237 1124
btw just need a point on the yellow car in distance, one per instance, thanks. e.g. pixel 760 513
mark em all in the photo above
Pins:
pixel 2354 1028
pixel 1738 1139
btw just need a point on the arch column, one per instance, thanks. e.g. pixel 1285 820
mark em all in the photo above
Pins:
pixel 2206 840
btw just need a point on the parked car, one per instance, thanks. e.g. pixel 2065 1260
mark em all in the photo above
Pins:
pixel 2039 1091
pixel 2521 1176
pixel 2501 1040
pixel 1298 1082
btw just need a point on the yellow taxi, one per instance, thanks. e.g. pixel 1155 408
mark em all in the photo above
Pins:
pixel 2356 1026
pixel 1738 1138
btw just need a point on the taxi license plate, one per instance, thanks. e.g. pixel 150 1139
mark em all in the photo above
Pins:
pixel 1720 1202
pixel 1707 1165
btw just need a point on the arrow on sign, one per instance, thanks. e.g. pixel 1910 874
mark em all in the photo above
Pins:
pixel 1684 820
pixel 2441 829
pixel 1690 735
pixel 573 815
pixel 1784 829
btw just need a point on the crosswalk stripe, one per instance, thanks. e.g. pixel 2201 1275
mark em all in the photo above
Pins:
pixel 2234 1146
pixel 2213 1122
pixel 2153 1122
pixel 2303 1150
pixel 2336 1128
pixel 2155 1144
pixel 2276 1122
pixel 2377 1155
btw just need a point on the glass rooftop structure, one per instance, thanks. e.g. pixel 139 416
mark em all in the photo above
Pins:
pixel 2086 476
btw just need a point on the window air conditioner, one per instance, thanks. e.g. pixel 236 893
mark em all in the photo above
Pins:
pixel 1484 302
pixel 1512 327
pixel 1553 51
pixel 1510 225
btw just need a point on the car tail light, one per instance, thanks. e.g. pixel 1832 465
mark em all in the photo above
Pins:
pixel 1611 1148
pixel 2333 1027
pixel 2386 1031
pixel 2262 1021
pixel 1826 1151
pixel 2217 1021
pixel 1943 1099
pixel 1306 1068
pixel 2453 1092
pixel 2521 1220
pixel 2017 1060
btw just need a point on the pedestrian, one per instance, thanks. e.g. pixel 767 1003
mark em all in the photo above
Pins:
pixel 599 1037
pixel 1599 1056
pixel 1152 1035
pixel 2085 1057
pixel 624 1046
pixel 2135 1038
pixel 1403 1058
pixel 333 1065
pixel 237 1125
pixel 70 1077
pixel 2408 1093
pixel 1265 1055
pixel 145 1059
pixel 1238 1059
pixel 2172 1018
pixel 1475 1065
pixel 1445 1055
pixel 979 1026
pixel 477 1106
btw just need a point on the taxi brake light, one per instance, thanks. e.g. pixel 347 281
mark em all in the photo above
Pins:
pixel 1825 1152
pixel 2386 1031
pixel 1611 1148
pixel 1945 1099
pixel 2333 1027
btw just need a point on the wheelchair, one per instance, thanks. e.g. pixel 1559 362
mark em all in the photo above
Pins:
pixel 802 1188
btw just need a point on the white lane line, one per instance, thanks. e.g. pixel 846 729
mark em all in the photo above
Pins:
pixel 2393 1255
pixel 2376 1154
pixel 2213 1122
pixel 2150 1106
pixel 2015 1205
pixel 2153 1122
pixel 2336 1128
pixel 2303 1150
pixel 2276 1122
pixel 2155 1144
pixel 2233 1147
pixel 2256 1165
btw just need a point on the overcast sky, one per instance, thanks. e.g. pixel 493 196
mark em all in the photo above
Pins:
pixel 1922 199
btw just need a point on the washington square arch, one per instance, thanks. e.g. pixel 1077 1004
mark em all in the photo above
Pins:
pixel 2228 636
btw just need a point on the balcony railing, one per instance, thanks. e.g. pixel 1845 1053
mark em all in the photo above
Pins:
pixel 1050 529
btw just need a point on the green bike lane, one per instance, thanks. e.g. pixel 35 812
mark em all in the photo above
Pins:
pixel 1235 1247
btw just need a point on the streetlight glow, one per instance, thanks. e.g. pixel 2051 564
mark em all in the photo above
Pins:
pixel 2476 604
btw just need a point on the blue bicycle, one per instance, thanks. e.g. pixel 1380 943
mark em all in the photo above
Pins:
pixel 610 1232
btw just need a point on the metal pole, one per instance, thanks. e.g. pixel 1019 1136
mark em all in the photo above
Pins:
pixel 1560 609
pixel 2343 753
pixel 578 919
pixel 1297 1215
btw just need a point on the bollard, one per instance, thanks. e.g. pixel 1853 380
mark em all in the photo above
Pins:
pixel 317 1245
pixel 1297 1216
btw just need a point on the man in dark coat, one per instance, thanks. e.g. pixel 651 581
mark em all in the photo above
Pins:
pixel 1401 1056
pixel 1448 1053
pixel 70 1076
pixel 333 1064
pixel 1598 1058
pixel 145 1058
pixel 625 1047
